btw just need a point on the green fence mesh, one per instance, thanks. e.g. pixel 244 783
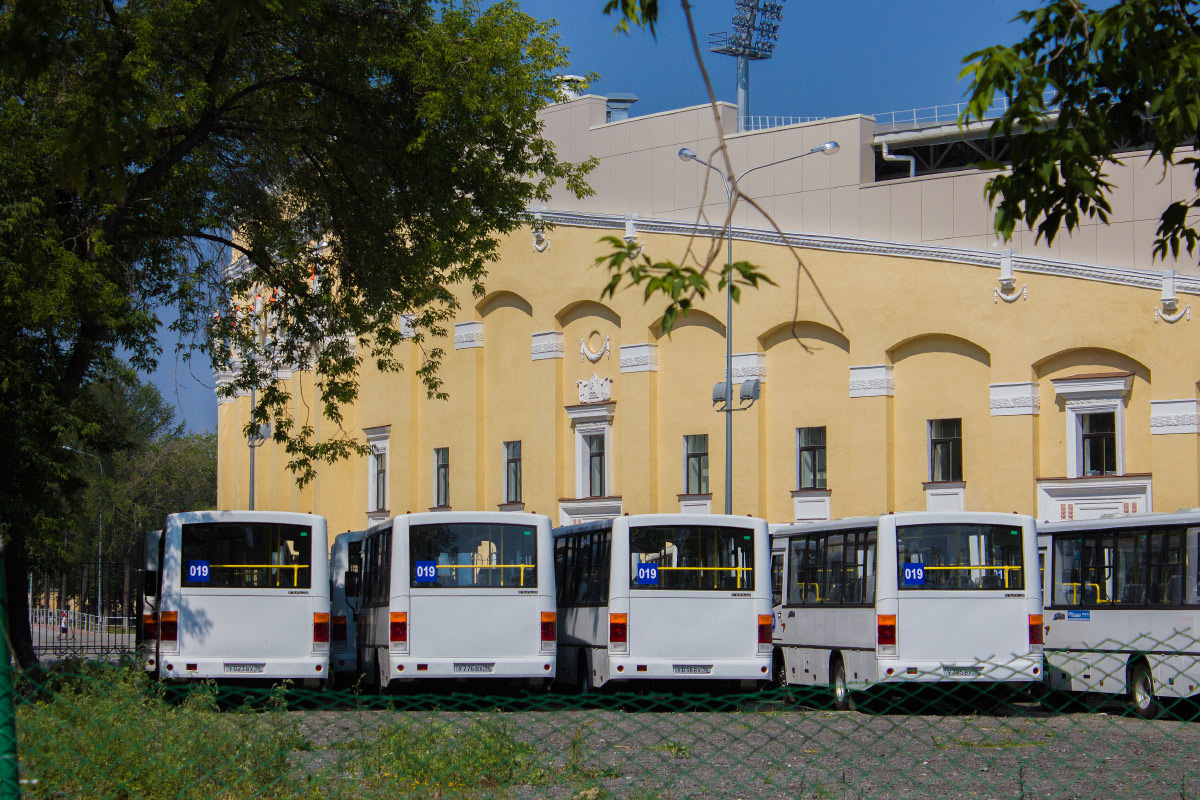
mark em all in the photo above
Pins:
pixel 90 730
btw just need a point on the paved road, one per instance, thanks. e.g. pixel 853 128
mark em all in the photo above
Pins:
pixel 796 752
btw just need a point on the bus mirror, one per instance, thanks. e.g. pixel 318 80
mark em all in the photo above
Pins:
pixel 351 584
pixel 151 587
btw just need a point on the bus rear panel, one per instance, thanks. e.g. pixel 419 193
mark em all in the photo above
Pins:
pixel 458 595
pixel 244 594
pixel 665 597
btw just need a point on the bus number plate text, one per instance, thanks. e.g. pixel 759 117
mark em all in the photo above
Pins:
pixel 647 574
pixel 198 571
pixel 914 575
pixel 460 667
pixel 426 571
pixel 692 669
pixel 244 667
pixel 962 672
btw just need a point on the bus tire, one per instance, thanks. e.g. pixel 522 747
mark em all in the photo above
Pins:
pixel 1141 691
pixel 842 699
pixel 778 670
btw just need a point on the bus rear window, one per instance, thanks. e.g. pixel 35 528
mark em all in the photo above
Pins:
pixel 960 557
pixel 691 557
pixel 241 555
pixel 473 554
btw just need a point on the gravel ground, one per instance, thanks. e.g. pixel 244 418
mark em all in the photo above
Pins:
pixel 794 752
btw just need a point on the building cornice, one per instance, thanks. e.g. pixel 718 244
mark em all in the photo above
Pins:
pixel 1122 276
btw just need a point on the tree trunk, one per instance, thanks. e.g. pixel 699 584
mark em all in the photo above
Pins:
pixel 19 634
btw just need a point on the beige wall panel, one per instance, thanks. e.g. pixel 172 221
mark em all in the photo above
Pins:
pixel 1053 417
pixel 906 210
pixel 937 210
pixel 664 165
pixel 844 211
pixel 815 212
pixel 1080 245
pixel 641 183
pixel 1176 486
pixel 807 368
pixel 1114 244
pixel 508 377
pixel 1152 191
pixel 637 439
pixel 690 362
pixel 875 216
pixel 971 214
pixel 941 377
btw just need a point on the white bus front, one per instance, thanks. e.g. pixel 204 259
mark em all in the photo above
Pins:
pixel 470 595
pixel 690 597
pixel 344 562
pixel 245 594
pixel 960 599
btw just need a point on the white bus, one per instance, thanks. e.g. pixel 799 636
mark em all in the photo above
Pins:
pixel 1123 607
pixel 457 595
pixel 239 594
pixel 345 559
pixel 909 597
pixel 664 596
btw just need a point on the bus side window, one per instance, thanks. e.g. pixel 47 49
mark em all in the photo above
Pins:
pixel 150 589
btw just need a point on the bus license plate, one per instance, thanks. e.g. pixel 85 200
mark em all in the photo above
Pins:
pixel 962 672
pixel 692 669
pixel 473 667
pixel 244 667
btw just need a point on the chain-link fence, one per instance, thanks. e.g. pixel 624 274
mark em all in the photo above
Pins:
pixel 98 730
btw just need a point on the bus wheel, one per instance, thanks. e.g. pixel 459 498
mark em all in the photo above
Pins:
pixel 1141 691
pixel 842 700
pixel 779 670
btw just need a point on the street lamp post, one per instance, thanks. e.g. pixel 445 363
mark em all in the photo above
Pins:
pixel 828 148
pixel 99 541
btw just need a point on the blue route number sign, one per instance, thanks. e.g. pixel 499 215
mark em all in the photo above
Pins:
pixel 914 574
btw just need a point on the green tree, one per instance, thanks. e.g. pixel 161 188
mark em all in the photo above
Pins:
pixel 148 469
pixel 368 154
pixel 1082 87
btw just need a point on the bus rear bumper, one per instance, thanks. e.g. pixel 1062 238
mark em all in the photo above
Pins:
pixel 756 668
pixel 180 666
pixel 411 667
pixel 1018 669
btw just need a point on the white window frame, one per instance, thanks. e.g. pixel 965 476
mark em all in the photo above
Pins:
pixel 1093 395
pixel 504 487
pixel 378 440
pixel 707 453
pixel 440 502
pixel 592 420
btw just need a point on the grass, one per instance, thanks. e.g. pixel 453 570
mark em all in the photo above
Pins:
pixel 87 731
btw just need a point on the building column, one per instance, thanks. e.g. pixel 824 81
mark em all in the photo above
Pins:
pixel 872 444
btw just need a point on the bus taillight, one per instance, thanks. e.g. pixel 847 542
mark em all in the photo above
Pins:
pixel 764 633
pixel 886 634
pixel 320 628
pixel 1035 631
pixel 169 626
pixel 149 627
pixel 399 626
pixel 618 631
pixel 337 630
pixel 549 626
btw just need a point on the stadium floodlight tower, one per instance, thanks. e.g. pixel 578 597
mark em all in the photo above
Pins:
pixel 755 32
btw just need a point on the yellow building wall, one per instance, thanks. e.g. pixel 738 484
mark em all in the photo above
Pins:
pixel 933 326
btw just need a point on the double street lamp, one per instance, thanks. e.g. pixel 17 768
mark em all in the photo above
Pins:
pixel 828 148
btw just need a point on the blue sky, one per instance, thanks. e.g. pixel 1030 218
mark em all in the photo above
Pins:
pixel 832 58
